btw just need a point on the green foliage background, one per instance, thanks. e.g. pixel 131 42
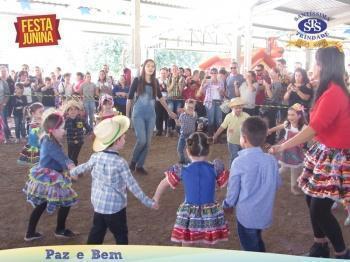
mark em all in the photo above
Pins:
pixel 108 50
pixel 168 57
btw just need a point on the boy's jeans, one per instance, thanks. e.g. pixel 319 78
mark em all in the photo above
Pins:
pixel 233 149
pixel 181 148
pixel 250 239
pixel 19 127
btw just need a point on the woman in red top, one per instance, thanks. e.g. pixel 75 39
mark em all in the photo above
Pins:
pixel 326 174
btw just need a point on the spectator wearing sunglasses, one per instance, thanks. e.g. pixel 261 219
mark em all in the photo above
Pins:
pixel 234 76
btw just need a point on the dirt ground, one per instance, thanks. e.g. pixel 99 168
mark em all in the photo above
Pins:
pixel 290 234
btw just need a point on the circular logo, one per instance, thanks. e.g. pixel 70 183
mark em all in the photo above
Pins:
pixel 312 25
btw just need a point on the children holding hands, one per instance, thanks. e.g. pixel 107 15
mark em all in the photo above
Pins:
pixel 252 186
pixel 200 219
pixel 49 186
pixel 111 177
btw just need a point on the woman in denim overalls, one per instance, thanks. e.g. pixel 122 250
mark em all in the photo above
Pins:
pixel 143 115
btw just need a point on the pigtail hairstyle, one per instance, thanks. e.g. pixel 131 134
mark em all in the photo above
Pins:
pixel 198 144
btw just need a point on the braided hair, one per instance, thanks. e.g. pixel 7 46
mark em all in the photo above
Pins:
pixel 198 144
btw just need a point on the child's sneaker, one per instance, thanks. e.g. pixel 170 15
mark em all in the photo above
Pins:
pixel 65 233
pixel 347 221
pixel 31 237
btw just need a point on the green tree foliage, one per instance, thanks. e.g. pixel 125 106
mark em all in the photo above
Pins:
pixel 166 58
pixel 105 50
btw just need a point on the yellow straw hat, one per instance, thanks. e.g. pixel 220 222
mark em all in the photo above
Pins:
pixel 72 103
pixel 108 131
pixel 237 101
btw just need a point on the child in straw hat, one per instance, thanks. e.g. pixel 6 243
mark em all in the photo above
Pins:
pixel 232 123
pixel 74 126
pixel 110 178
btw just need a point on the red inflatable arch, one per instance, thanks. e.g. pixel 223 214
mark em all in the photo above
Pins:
pixel 264 56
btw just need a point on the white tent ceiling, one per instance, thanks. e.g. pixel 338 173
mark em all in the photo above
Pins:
pixel 185 23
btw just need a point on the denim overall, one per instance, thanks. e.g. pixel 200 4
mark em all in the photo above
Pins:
pixel 144 120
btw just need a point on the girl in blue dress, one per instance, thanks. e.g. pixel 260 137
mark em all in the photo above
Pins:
pixel 200 219
pixel 49 185
pixel 31 151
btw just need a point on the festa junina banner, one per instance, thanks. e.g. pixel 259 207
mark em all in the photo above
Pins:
pixel 144 253
pixel 40 30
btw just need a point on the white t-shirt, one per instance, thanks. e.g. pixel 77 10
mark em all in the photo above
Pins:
pixel 27 91
pixel 247 95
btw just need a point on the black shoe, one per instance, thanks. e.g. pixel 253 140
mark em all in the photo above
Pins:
pixel 65 233
pixel 31 237
pixel 345 256
pixel 141 171
pixel 319 250
pixel 159 133
pixel 132 166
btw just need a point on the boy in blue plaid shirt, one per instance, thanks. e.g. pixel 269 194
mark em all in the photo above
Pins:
pixel 187 122
pixel 110 178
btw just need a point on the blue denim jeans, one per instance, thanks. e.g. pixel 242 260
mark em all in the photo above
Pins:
pixel 89 107
pixel 250 239
pixel 4 116
pixel 181 144
pixel 19 127
pixel 233 149
pixel 144 121
pixel 214 115
pixel 143 126
pixel 174 105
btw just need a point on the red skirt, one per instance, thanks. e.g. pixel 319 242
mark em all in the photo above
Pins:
pixel 326 173
pixel 200 224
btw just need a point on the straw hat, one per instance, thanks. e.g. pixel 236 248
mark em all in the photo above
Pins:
pixel 72 103
pixel 237 101
pixel 108 131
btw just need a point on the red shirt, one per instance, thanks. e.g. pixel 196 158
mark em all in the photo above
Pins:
pixel 330 118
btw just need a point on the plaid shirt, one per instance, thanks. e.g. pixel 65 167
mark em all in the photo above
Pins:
pixel 176 83
pixel 188 124
pixel 75 130
pixel 212 92
pixel 110 178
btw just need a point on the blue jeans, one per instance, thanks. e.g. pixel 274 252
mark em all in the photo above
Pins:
pixel 174 105
pixel 4 115
pixel 143 125
pixel 214 115
pixel 250 239
pixel 233 149
pixel 19 127
pixel 181 144
pixel 89 107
